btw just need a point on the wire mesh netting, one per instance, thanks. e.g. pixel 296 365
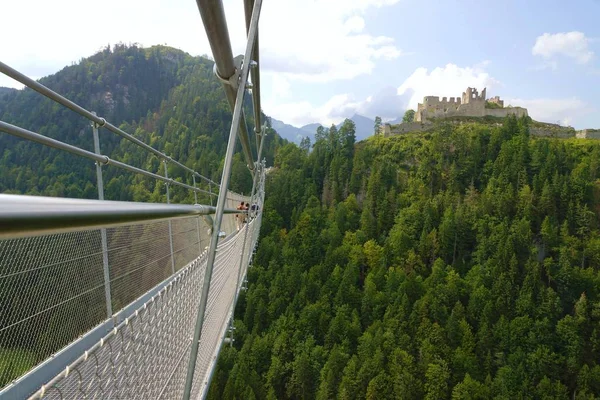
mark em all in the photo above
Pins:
pixel 220 306
pixel 51 291
pixel 142 258
pixel 55 289
pixel 147 355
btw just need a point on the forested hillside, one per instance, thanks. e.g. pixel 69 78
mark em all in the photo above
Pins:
pixel 460 264
pixel 163 96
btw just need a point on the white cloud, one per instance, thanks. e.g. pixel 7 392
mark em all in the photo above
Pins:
pixel 354 24
pixel 448 81
pixel 78 32
pixel 323 40
pixel 281 86
pixel 385 103
pixel 301 113
pixel 308 40
pixel 564 111
pixel 568 44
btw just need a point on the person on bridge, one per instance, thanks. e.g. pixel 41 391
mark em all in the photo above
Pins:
pixel 247 215
pixel 253 210
pixel 239 218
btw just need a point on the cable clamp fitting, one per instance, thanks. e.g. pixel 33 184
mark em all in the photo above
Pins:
pixel 231 81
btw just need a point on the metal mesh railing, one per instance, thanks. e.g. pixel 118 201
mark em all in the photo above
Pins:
pixel 220 309
pixel 146 355
pixel 53 289
pixel 142 257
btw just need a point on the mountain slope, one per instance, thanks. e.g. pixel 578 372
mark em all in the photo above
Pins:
pixel 310 128
pixel 163 96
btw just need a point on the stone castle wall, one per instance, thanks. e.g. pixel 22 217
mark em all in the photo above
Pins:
pixel 552 131
pixel 432 106
pixel 496 100
pixel 442 109
pixel 406 127
pixel 385 130
pixel 503 112
pixel 471 104
pixel 588 134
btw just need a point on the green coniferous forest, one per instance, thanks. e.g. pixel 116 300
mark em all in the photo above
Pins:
pixel 161 95
pixel 460 264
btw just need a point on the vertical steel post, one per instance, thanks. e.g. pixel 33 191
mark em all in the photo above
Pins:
pixel 197 220
pixel 195 192
pixel 170 227
pixel 103 230
pixel 233 133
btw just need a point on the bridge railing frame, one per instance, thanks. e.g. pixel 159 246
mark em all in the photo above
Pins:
pixel 214 21
pixel 60 215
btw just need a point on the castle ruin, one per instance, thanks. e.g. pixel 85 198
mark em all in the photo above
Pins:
pixel 471 104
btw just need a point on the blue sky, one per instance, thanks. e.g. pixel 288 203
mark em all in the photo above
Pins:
pixel 323 60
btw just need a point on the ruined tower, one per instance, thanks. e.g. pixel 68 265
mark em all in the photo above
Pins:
pixel 471 95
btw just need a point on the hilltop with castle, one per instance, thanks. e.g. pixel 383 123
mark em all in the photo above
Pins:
pixel 472 105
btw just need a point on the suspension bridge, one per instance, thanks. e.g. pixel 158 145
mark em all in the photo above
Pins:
pixel 129 300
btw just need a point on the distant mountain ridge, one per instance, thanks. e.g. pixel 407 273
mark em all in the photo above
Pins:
pixel 364 128
pixel 292 133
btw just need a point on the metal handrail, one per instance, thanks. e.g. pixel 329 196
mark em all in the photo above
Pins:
pixel 255 75
pixel 215 25
pixel 100 158
pixel 22 216
pixel 101 122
